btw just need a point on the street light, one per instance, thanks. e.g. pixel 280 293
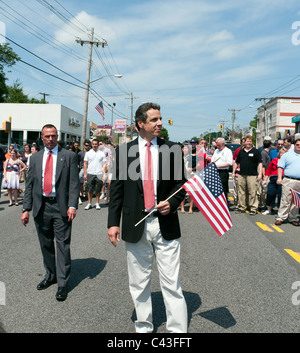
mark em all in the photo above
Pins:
pixel 116 75
pixel 84 122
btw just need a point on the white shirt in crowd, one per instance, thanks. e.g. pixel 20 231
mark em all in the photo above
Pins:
pixel 222 157
pixel 95 162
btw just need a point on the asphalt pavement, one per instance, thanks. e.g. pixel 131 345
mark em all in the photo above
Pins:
pixel 238 283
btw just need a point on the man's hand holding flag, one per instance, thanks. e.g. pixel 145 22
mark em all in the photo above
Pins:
pixel 206 190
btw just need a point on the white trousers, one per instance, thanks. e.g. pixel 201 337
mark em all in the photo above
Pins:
pixel 287 209
pixel 140 259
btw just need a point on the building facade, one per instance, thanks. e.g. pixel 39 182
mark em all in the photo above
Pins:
pixel 274 118
pixel 27 121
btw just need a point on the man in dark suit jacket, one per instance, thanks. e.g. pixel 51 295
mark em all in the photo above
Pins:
pixel 53 211
pixel 159 233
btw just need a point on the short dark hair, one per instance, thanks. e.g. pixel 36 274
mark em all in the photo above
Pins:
pixel 141 113
pixel 288 139
pixel 267 143
pixel 49 126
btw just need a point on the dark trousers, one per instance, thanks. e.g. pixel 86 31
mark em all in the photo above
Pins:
pixel 224 176
pixel 273 191
pixel 51 225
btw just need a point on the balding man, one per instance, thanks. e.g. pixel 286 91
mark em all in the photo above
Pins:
pixel 222 157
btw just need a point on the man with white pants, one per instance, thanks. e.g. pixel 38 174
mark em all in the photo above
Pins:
pixel 133 197
pixel 290 164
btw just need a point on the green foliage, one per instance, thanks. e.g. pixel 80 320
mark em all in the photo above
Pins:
pixel 11 94
pixel 15 94
pixel 8 57
pixel 164 133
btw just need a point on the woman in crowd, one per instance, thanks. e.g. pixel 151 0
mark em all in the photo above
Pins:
pixel 24 157
pixel 273 188
pixel 12 169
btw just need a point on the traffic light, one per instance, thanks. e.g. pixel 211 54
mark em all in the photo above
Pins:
pixel 6 126
pixel 170 122
pixel 220 127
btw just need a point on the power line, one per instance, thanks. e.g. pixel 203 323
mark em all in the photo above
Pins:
pixel 39 35
pixel 91 43
pixel 37 56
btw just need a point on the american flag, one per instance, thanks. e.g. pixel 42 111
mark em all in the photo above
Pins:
pixel 100 109
pixel 296 197
pixel 206 191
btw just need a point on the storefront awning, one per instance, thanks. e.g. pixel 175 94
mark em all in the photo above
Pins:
pixel 296 119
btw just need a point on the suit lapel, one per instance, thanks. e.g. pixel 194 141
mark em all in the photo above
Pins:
pixel 39 165
pixel 59 163
pixel 134 159
pixel 160 142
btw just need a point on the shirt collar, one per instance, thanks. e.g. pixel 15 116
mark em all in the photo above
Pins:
pixel 54 150
pixel 143 142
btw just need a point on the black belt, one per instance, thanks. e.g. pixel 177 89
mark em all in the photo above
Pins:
pixel 49 198
pixel 285 176
pixel 153 214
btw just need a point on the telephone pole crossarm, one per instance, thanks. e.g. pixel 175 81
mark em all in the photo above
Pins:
pixel 233 119
pixel 91 43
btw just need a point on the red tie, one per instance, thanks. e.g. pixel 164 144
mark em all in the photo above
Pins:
pixel 149 197
pixel 48 174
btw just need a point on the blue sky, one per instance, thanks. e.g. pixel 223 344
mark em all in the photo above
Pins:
pixel 197 59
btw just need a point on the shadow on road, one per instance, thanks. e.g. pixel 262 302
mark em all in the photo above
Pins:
pixel 220 316
pixel 85 268
pixel 193 302
pixel 1 328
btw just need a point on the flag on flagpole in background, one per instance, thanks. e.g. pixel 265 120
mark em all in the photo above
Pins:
pixel 296 197
pixel 206 191
pixel 100 109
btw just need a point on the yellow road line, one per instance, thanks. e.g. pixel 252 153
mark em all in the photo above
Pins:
pixel 264 227
pixel 295 255
pixel 277 228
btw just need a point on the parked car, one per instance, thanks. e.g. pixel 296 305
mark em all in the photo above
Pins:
pixel 233 146
pixel 4 147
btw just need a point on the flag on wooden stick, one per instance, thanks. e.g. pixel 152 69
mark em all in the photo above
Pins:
pixel 206 191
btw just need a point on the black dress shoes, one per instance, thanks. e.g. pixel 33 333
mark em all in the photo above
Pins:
pixel 45 284
pixel 61 294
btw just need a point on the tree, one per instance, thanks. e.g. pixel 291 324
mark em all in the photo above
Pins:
pixel 253 123
pixel 15 94
pixel 164 133
pixel 8 58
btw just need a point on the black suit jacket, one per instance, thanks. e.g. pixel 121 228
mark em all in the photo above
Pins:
pixel 66 182
pixel 126 192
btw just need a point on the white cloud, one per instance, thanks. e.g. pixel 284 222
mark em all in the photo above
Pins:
pixel 220 37
pixel 246 72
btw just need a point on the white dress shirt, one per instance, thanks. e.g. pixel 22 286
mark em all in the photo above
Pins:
pixel 222 157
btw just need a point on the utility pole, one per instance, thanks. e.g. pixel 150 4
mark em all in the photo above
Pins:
pixel 131 120
pixel 90 42
pixel 233 119
pixel 44 95
pixel 265 109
